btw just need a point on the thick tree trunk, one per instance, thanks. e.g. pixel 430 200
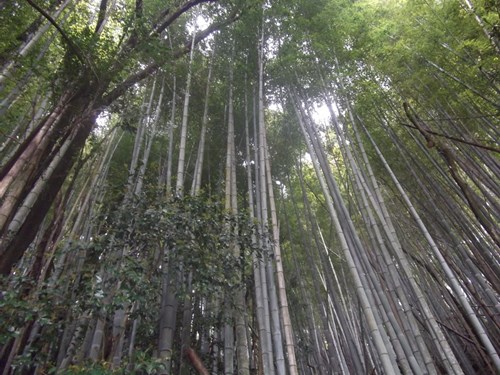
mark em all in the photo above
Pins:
pixel 34 176
pixel 36 172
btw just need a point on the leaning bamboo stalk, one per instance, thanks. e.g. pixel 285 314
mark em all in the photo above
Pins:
pixel 385 358
pixel 445 352
pixel 346 335
pixel 387 267
pixel 454 283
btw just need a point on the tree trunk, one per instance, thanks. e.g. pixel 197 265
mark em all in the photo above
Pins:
pixel 33 177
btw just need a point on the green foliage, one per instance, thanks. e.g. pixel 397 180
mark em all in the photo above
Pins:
pixel 192 233
pixel 144 364
pixel 23 306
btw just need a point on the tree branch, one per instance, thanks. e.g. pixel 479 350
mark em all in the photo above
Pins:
pixel 134 40
pixel 451 138
pixel 71 44
pixel 178 12
pixel 74 48
pixel 151 68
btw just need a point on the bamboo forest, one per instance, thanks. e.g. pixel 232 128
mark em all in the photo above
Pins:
pixel 250 187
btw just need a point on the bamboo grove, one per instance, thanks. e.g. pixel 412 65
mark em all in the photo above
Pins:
pixel 249 187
